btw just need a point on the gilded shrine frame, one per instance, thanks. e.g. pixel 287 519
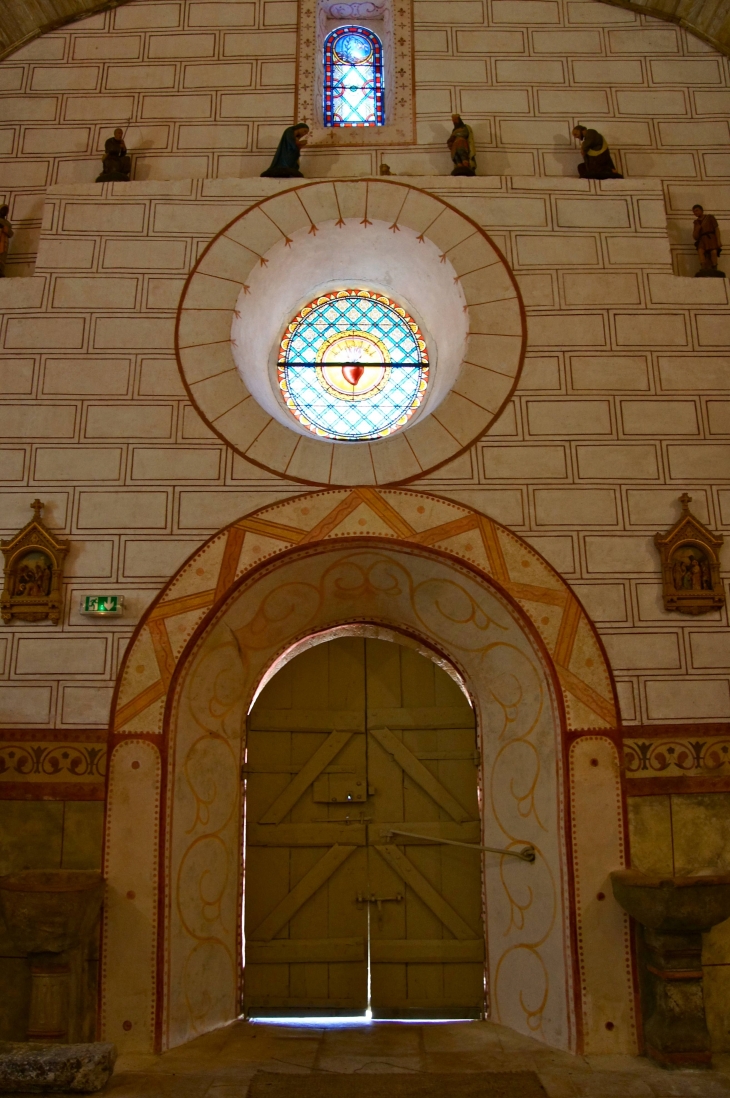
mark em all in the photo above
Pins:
pixel 201 640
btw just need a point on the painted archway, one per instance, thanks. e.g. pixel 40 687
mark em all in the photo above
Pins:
pixel 470 590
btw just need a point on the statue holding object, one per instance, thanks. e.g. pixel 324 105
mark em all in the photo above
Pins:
pixel 6 231
pixel 462 148
pixel 116 164
pixel 706 235
pixel 597 162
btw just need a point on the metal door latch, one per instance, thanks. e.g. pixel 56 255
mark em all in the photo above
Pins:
pixel 378 900
pixel 526 854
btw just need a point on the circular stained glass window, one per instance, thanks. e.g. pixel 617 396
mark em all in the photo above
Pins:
pixel 353 366
pixel 353 48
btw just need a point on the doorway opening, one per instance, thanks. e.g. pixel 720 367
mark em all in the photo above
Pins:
pixel 361 759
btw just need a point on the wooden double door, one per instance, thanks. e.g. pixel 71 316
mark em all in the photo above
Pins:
pixel 352 742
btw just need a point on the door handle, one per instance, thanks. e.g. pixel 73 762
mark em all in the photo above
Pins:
pixel 527 854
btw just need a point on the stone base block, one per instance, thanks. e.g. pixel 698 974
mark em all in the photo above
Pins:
pixel 48 1069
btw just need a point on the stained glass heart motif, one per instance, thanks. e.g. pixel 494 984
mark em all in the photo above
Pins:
pixel 352 372
pixel 353 365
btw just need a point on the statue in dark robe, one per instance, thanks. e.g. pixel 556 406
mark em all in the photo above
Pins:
pixel 6 231
pixel 285 164
pixel 597 162
pixel 462 148
pixel 706 235
pixel 116 164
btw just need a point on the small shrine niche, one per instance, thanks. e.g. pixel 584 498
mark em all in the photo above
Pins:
pixel 33 571
pixel 690 565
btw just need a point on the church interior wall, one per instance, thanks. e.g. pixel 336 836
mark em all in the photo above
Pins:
pixel 622 405
pixel 208 87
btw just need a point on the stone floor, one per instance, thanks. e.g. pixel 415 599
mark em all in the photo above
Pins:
pixel 221 1064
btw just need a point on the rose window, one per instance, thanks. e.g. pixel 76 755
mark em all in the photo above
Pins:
pixel 353 366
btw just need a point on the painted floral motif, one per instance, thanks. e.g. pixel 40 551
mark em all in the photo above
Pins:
pixel 43 761
pixel 667 758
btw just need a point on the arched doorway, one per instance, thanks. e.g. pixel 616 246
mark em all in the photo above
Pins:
pixel 361 758
pixel 478 596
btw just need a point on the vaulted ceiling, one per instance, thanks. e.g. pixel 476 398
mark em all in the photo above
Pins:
pixel 23 20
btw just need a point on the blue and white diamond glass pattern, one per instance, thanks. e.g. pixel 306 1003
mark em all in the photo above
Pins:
pixel 353 78
pixel 353 366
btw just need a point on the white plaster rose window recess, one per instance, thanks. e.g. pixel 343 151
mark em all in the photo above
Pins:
pixel 351 332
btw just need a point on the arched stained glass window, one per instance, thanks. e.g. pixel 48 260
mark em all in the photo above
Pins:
pixel 353 78
pixel 353 366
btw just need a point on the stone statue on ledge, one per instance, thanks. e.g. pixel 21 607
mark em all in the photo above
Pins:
pixel 597 162
pixel 462 148
pixel 6 231
pixel 285 164
pixel 116 164
pixel 706 235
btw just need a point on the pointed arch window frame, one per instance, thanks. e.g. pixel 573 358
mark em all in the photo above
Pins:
pixel 376 66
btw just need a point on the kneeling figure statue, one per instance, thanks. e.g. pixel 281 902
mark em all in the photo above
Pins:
pixel 597 162
pixel 116 164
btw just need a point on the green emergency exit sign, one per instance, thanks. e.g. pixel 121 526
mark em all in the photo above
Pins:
pixel 102 604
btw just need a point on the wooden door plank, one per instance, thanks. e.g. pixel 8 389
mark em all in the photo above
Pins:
pixel 305 720
pixel 277 919
pixel 276 1002
pixel 311 769
pixel 305 951
pixel 430 951
pixel 448 756
pixel 420 774
pixel 311 834
pixel 247 771
pixel 438 717
pixel 423 888
pixel 442 1008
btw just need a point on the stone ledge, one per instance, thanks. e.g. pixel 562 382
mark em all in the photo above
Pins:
pixel 49 1069
pixel 258 187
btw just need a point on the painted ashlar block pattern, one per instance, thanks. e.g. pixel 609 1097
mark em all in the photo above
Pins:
pixel 623 404
pixel 209 84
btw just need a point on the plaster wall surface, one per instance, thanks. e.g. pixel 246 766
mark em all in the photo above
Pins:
pixel 21 24
pixel 206 88
pixel 622 405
